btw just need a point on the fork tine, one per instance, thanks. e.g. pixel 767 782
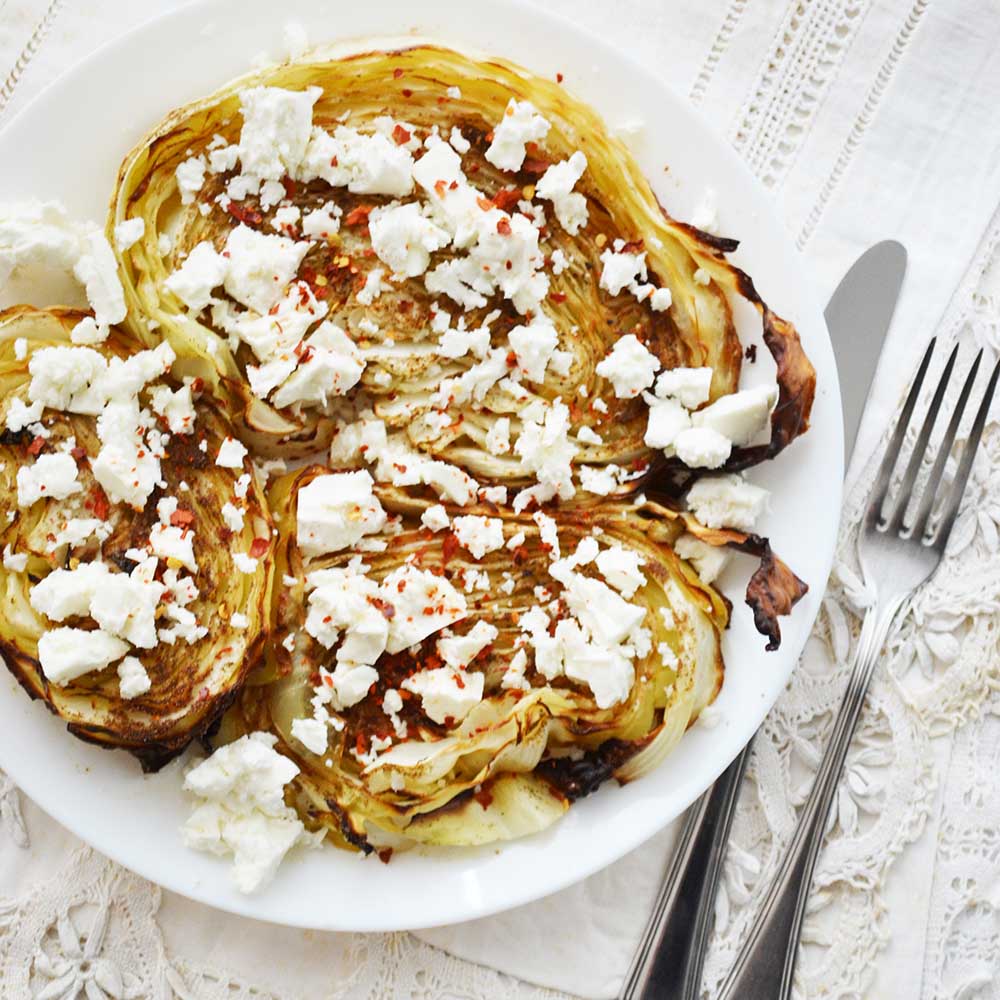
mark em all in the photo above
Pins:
pixel 950 513
pixel 902 500
pixel 922 517
pixel 881 484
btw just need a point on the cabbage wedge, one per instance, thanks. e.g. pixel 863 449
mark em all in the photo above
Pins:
pixel 517 760
pixel 191 682
pixel 420 94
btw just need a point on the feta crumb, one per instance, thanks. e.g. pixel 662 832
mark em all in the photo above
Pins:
pixel 446 695
pixel 520 124
pixel 458 651
pixel 311 733
pixel 336 511
pixel 702 448
pixel 727 502
pixel 435 518
pixel 53 476
pixel 689 386
pixel 479 534
pixel 231 454
pixel 630 367
pixel 739 416
pixel 708 560
pixel 133 680
pixel 556 185
pixel 129 232
pixel 15 563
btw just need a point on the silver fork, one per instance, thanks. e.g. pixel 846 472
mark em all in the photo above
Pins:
pixel 898 553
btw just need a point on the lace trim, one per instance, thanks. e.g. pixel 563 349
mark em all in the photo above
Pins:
pixel 28 53
pixel 864 119
pixel 715 53
pixel 793 82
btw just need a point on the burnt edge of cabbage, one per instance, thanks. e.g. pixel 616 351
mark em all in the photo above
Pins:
pixel 355 839
pixel 575 779
pixel 773 589
pixel 796 378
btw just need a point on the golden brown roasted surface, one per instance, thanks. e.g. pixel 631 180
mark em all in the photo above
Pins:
pixel 192 683
pixel 481 778
pixel 404 368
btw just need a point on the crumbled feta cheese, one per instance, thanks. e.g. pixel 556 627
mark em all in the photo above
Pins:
pixel 514 676
pixel 335 511
pixel 132 678
pixel 322 222
pixel 520 124
pixel 630 367
pixel 498 437
pixel 689 386
pixel 478 534
pixel 202 271
pixel 231 454
pixel 740 416
pixel 261 265
pixel 708 560
pixel 168 542
pixel 621 269
pixel 435 518
pixel 533 346
pixel 620 567
pixel 373 287
pixel 20 348
pixel 661 299
pixel 702 277
pixel 53 476
pixel 175 406
pixel 242 809
pixel 546 449
pixel 68 653
pixel 446 695
pixel 295 41
pixel 311 733
pixel 190 178
pixel 556 185
pixel 129 232
pixel 277 125
pixel 458 141
pixel 238 620
pixel 232 516
pixel 702 448
pixel 245 563
pixel 727 502
pixel 42 232
pixel 454 93
pixel 15 563
pixel 458 651
pixel 404 238
pixel 667 418
pixel 330 365
pixel 20 416
pixel 424 604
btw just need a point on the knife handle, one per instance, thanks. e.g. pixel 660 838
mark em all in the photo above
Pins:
pixel 671 956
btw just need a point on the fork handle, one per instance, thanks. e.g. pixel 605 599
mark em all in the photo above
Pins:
pixel 766 963
pixel 671 955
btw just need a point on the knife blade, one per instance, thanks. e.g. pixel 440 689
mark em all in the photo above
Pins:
pixel 858 316
pixel 671 954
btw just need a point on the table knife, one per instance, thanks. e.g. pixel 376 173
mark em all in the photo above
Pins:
pixel 671 954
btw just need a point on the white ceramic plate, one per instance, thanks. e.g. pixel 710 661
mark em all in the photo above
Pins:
pixel 68 145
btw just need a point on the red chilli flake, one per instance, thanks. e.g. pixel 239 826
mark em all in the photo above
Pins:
pixel 36 445
pixel 397 73
pixel 503 228
pixel 439 188
pixel 78 453
pixel 182 518
pixel 406 92
pixel 558 296
pixel 358 215
pixel 385 855
pixel 248 216
pixel 449 547
pixel 507 198
pixel 559 78
pixel 258 547
pixel 484 203
pixel 535 165
pixel 98 502
pixel 400 135
pixel 289 185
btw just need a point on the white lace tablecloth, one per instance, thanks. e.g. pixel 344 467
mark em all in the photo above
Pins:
pixel 866 119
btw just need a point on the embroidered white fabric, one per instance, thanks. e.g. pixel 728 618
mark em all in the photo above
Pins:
pixel 837 106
